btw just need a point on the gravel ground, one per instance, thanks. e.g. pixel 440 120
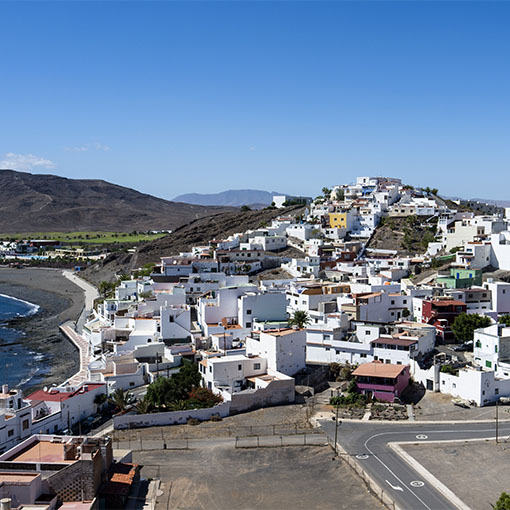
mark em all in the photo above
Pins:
pixel 262 478
pixel 289 419
pixel 439 407
pixel 477 472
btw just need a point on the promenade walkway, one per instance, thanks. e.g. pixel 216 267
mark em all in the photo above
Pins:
pixel 83 347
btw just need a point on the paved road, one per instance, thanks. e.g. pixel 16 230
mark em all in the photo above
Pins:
pixel 369 444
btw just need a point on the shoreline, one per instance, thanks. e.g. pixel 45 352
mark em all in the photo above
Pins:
pixel 59 300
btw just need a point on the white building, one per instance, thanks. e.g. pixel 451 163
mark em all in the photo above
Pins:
pixel 284 349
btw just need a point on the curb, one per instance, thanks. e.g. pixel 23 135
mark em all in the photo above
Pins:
pixel 426 474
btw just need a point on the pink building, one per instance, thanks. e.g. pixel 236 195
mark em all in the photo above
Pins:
pixel 382 381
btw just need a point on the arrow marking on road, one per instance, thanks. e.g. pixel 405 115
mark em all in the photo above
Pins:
pixel 422 436
pixel 397 488
pixel 417 483
pixel 362 456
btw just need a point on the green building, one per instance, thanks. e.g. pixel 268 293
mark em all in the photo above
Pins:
pixel 461 278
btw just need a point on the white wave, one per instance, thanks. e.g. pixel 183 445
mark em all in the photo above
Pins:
pixel 33 307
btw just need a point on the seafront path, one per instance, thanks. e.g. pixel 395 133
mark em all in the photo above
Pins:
pixel 73 330
pixel 83 348
pixel 91 294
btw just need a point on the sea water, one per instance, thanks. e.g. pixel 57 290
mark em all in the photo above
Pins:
pixel 19 366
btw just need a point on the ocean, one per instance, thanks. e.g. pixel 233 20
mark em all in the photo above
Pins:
pixel 19 366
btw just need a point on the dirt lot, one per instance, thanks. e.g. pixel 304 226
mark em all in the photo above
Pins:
pixel 265 478
pixel 454 464
pixel 439 407
pixel 271 420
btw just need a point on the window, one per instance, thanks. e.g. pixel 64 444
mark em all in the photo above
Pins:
pixel 131 383
pixel 367 332
pixel 239 367
pixel 392 301
pixel 478 344
pixel 404 301
pixel 25 424
pixel 210 369
pixel 171 318
pixel 496 391
pixel 248 324
pixel 488 364
pixel 248 312
pixel 256 366
pixel 495 348
pixel 327 349
pixel 363 355
pixel 10 433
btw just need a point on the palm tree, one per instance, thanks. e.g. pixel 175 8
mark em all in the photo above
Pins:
pixel 143 406
pixel 120 398
pixel 300 318
pixel 99 400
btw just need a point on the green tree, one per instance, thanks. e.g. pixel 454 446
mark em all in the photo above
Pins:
pixel 300 318
pixel 505 319
pixel 163 392
pixel 143 406
pixel 503 503
pixel 120 399
pixel 406 312
pixel 245 208
pixel 465 324
pixel 326 192
pixel 340 195
pixel 99 400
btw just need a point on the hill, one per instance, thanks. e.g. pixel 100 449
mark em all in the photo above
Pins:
pixel 197 232
pixel 407 235
pixel 41 203
pixel 232 197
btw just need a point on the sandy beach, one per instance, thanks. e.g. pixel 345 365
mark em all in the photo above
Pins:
pixel 59 300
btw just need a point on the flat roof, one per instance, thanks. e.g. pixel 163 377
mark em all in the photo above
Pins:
pixel 379 370
pixel 18 477
pixel 280 331
pixel 59 396
pixel 393 341
pixel 41 451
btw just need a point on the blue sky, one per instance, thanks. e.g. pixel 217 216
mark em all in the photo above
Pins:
pixel 176 97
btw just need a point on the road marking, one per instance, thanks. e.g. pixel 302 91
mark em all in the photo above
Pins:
pixel 422 436
pixel 395 487
pixel 362 457
pixel 417 483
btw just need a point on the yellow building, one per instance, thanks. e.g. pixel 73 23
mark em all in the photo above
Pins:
pixel 338 220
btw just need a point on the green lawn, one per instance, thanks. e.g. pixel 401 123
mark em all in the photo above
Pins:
pixel 85 237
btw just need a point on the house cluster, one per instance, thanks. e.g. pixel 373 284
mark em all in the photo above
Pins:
pixel 255 319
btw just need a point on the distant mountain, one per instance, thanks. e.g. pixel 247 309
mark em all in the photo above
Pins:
pixel 232 198
pixel 46 203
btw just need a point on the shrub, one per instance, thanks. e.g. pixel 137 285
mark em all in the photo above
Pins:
pixel 193 421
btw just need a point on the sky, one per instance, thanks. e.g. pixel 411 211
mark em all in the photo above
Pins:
pixel 178 97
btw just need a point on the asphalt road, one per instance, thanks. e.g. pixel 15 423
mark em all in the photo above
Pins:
pixel 369 444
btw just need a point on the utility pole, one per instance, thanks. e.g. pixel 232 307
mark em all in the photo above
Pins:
pixel 497 419
pixel 336 426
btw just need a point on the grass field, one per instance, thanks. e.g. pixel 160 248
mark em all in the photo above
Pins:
pixel 85 237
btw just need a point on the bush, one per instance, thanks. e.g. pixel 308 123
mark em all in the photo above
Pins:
pixel 216 417
pixel 193 421
pixel 503 503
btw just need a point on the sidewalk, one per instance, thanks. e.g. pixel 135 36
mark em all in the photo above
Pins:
pixel 83 347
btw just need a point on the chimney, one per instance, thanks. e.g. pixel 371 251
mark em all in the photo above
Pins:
pixel 5 504
pixel 5 389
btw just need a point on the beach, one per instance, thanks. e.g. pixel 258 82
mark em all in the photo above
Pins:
pixel 59 300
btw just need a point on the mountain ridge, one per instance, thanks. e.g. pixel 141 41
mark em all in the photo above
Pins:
pixel 46 202
pixel 231 197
